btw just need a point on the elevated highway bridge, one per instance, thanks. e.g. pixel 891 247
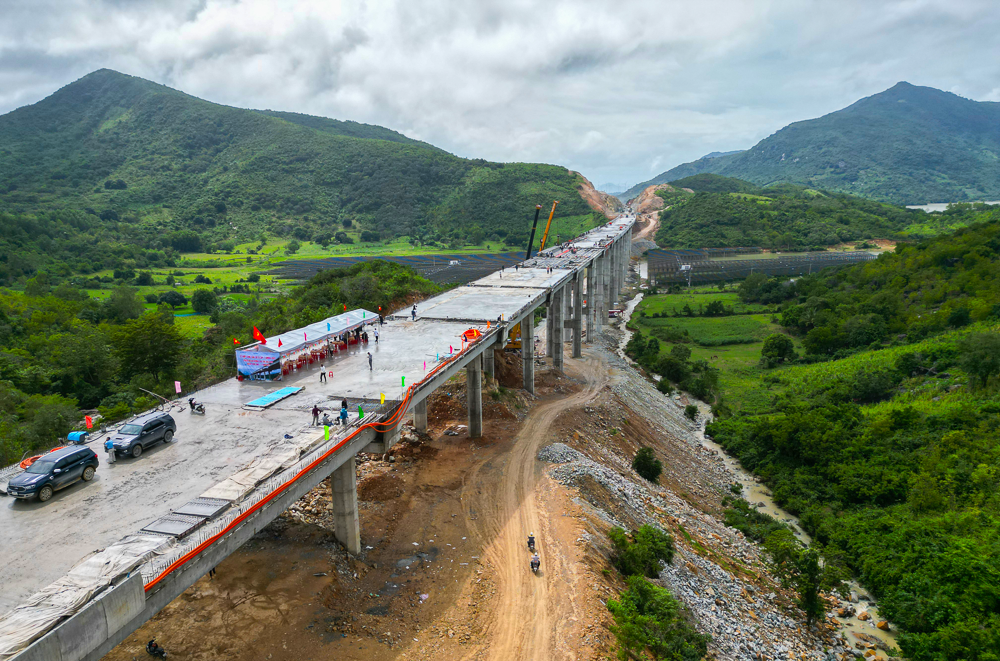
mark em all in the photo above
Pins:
pixel 162 521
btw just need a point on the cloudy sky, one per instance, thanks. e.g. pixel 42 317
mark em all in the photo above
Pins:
pixel 617 90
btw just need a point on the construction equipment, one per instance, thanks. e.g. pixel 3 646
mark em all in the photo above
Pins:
pixel 514 338
pixel 534 226
pixel 547 226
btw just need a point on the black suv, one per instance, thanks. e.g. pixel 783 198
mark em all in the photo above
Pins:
pixel 54 471
pixel 137 435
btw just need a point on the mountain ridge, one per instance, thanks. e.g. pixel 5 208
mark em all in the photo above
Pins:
pixel 123 161
pixel 908 144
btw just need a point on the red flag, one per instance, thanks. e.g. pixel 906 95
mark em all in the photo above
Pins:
pixel 345 307
pixel 304 338
pixel 279 342
pixel 89 421
pixel 235 341
pixel 257 335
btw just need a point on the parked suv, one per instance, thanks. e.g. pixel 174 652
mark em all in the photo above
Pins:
pixel 137 435
pixel 53 471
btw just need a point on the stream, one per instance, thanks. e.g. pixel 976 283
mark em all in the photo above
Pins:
pixel 758 495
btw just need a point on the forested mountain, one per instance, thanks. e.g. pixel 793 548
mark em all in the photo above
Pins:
pixel 114 167
pixel 726 212
pixel 907 145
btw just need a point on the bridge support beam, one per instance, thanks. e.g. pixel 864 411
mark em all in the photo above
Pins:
pixel 558 306
pixel 590 303
pixel 344 488
pixel 528 352
pixel 550 333
pixel 578 315
pixel 474 397
pixel 420 415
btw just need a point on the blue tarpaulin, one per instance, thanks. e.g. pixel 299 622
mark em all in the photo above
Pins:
pixel 274 397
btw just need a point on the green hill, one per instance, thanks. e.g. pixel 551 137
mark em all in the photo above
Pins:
pixel 726 212
pixel 114 169
pixel 907 145
pixel 883 434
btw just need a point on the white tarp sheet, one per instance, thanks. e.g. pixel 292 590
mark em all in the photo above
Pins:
pixel 260 468
pixel 61 599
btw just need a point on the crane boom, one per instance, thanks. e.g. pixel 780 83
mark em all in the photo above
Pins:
pixel 547 225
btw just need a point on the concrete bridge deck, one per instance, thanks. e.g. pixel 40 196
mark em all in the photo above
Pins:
pixel 42 542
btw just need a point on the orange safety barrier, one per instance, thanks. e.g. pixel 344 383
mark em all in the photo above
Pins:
pixel 30 460
pixel 388 424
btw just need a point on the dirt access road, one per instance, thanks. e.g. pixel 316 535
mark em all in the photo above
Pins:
pixel 532 613
pixel 447 521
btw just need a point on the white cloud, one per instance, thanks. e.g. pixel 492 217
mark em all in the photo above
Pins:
pixel 614 90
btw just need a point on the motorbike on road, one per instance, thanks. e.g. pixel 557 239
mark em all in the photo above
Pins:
pixel 196 407
pixel 535 563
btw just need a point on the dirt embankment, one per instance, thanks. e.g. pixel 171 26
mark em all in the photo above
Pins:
pixel 609 205
pixel 647 206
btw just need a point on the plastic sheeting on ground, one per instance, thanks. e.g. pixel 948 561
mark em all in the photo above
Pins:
pixel 66 596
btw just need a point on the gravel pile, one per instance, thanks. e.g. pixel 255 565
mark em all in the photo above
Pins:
pixel 559 453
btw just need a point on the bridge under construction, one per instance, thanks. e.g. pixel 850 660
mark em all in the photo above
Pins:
pixel 161 522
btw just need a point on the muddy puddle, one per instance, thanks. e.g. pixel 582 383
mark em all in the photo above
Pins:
pixel 757 494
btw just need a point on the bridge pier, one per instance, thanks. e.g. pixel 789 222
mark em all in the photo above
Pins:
pixel 528 352
pixel 488 362
pixel 590 303
pixel 474 396
pixel 420 415
pixel 577 315
pixel 558 306
pixel 344 489
pixel 549 328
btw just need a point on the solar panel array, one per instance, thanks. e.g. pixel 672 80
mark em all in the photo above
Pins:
pixel 437 268
pixel 665 265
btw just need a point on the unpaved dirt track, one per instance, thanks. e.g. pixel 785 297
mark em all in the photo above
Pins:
pixel 530 611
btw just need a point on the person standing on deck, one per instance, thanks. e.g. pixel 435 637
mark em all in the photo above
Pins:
pixel 322 373
pixel 315 413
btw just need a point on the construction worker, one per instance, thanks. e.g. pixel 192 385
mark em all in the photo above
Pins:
pixel 110 447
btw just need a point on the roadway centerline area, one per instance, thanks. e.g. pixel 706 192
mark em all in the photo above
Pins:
pixel 256 462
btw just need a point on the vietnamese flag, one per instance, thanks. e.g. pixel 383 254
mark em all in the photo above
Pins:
pixel 257 335
pixel 235 341
pixel 279 342
pixel 90 421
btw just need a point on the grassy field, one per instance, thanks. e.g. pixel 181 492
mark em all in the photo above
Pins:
pixel 738 364
pixel 698 298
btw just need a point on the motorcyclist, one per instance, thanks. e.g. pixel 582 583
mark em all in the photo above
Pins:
pixel 536 562
pixel 155 650
pixel 531 541
pixel 196 406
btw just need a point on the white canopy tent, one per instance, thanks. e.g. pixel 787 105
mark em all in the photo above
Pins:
pixel 264 359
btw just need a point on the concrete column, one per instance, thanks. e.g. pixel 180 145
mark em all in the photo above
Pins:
pixel 549 328
pixel 578 315
pixel 344 488
pixel 528 351
pixel 606 289
pixel 420 415
pixel 557 324
pixel 474 397
pixel 488 362
pixel 590 303
pixel 615 275
pixel 599 314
